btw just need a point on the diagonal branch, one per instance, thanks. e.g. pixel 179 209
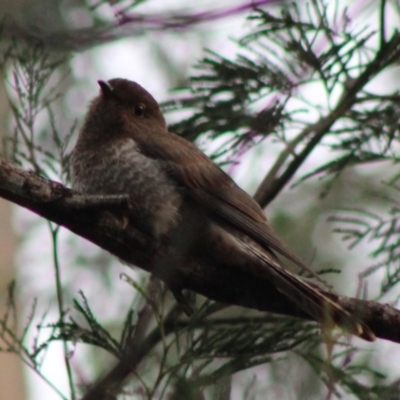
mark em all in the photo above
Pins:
pixel 273 183
pixel 102 226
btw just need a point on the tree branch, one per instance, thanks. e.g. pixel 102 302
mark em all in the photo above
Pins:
pixel 102 226
pixel 123 24
pixel 273 182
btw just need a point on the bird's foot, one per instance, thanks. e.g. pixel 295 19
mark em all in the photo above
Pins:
pixel 183 302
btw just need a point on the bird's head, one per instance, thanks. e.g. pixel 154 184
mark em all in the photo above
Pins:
pixel 124 107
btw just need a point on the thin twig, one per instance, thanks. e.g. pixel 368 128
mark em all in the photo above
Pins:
pixel 60 303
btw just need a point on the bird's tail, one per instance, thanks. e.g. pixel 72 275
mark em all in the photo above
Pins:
pixel 318 303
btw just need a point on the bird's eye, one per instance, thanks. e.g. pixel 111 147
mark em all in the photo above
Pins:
pixel 139 110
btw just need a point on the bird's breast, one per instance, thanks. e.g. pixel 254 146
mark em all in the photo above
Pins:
pixel 120 167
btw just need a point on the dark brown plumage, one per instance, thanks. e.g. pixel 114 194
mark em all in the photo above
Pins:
pixel 180 197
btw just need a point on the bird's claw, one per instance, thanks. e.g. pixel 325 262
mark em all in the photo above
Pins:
pixel 183 302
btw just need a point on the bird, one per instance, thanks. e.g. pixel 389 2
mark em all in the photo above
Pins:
pixel 181 198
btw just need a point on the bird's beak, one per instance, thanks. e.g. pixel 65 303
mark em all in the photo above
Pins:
pixel 105 87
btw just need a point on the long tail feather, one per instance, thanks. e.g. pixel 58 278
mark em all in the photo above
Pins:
pixel 316 302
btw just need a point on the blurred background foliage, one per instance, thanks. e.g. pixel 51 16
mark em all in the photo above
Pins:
pixel 298 101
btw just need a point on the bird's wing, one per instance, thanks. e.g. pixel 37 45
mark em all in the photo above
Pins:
pixel 214 189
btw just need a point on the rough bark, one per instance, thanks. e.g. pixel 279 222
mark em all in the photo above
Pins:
pixel 98 219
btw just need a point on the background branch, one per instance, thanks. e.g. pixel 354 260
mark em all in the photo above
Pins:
pixel 273 183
